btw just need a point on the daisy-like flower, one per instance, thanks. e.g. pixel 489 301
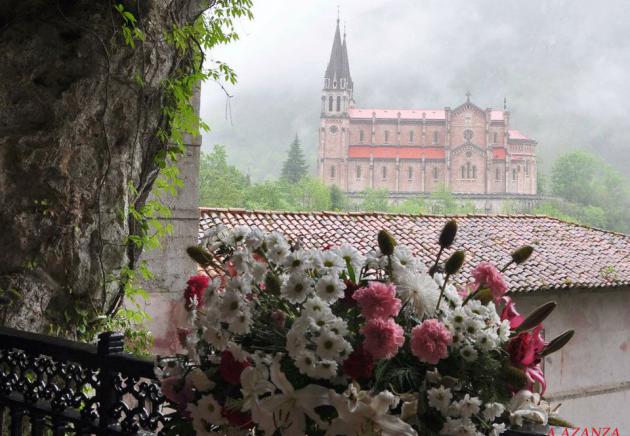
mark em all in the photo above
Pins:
pixel 492 411
pixel 504 330
pixel 457 319
pixel 241 260
pixel 241 323
pixel 325 369
pixel 329 345
pixel 351 255
pixel 240 284
pixel 403 261
pixel 254 239
pixel 331 262
pixel 306 362
pixel 440 398
pixel 459 427
pixel 420 292
pixel 231 306
pixel 497 430
pixel 297 288
pixel 216 336
pixel 315 305
pixel 239 234
pixel 486 340
pixel 468 406
pixel 206 413
pixel 472 327
pixel 296 261
pixel 330 288
pixel 468 352
pixel 258 272
pixel 277 252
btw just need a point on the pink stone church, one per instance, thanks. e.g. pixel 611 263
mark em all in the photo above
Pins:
pixel 469 150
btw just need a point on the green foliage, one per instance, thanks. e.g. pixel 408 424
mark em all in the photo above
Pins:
pixel 308 194
pixel 294 168
pixel 338 199
pixel 442 202
pixel 220 184
pixel 375 200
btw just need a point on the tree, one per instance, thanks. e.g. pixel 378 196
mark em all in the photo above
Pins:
pixel 573 176
pixel 443 202
pixel 220 184
pixel 85 139
pixel 307 194
pixel 294 168
pixel 338 199
pixel 267 195
pixel 375 200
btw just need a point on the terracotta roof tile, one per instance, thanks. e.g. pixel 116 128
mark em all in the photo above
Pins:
pixel 567 255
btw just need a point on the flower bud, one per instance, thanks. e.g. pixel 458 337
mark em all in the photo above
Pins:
pixel 199 255
pixel 522 254
pixel 455 262
pixel 537 316
pixel 484 295
pixel 272 283
pixel 558 342
pixel 515 377
pixel 386 242
pixel 448 234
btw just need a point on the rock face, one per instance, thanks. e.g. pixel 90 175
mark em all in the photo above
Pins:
pixel 75 130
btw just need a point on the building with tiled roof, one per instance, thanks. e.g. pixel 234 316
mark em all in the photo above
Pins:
pixel 470 150
pixel 585 270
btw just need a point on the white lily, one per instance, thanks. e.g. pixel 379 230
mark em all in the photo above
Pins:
pixel 285 411
pixel 254 384
pixel 525 406
pixel 361 414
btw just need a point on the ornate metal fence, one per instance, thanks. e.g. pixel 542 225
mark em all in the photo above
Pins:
pixel 54 386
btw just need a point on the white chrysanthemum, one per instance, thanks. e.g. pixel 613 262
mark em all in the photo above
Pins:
pixel 330 288
pixel 319 320
pixel 440 398
pixel 306 362
pixel 241 323
pixel 492 411
pixel 232 304
pixel 373 259
pixel 216 337
pixel 296 261
pixel 255 239
pixel 315 305
pixel 451 297
pixel 486 340
pixel 331 262
pixel 458 339
pixel 325 369
pixel 205 413
pixel 492 314
pixel 338 326
pixel 472 327
pixel 211 295
pixel 459 427
pixel 297 288
pixel 457 319
pixel 403 261
pixel 475 309
pixel 241 285
pixel 468 352
pixel 468 406
pixel 504 330
pixel 200 380
pixel 296 343
pixel 351 255
pixel 258 272
pixel 497 430
pixel 329 345
pixel 242 261
pixel 239 234
pixel 420 292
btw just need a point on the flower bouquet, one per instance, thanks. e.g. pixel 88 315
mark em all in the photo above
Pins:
pixel 283 340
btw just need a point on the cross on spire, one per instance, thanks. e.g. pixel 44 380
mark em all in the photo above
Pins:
pixel 337 13
pixel 468 94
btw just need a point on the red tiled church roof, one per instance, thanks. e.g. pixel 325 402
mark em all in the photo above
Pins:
pixel 403 152
pixel 515 134
pixel 409 114
pixel 566 256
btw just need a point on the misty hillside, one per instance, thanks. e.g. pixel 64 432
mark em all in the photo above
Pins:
pixel 561 64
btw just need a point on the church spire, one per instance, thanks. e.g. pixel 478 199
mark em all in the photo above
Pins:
pixel 338 71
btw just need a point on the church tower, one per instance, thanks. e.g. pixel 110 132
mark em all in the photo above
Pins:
pixel 336 101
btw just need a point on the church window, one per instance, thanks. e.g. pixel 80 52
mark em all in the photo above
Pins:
pixel 435 137
pixel 330 104
pixel 410 173
pixel 361 136
pixel 527 168
pixel 495 137
pixel 334 83
pixel 514 174
pixel 468 171
pixel 497 174
pixel 384 173
pixel 343 83
pixel 332 172
pixel 338 104
pixel 474 172
pixel 463 171
pixel 358 172
pixel 411 136
pixel 386 136
pixel 435 172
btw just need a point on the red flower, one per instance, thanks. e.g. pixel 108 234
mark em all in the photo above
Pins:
pixel 486 274
pixel 525 348
pixel 359 364
pixel 236 418
pixel 231 369
pixel 193 294
pixel 348 292
pixel 509 312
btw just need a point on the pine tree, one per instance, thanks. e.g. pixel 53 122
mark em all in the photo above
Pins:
pixel 294 167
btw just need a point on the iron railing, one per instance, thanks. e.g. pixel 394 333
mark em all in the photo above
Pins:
pixel 52 386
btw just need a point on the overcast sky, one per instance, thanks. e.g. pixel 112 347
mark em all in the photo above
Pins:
pixel 562 64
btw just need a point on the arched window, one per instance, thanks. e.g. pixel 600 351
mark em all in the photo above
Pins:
pixel 410 173
pixel 436 173
pixel 334 83
pixel 474 174
pixel 468 173
pixel 463 170
pixel 361 136
pixel 358 172
pixel 411 136
pixel 436 137
pixel 495 137
pixel 338 103
pixel 343 83
pixel 332 172
pixel 330 103
pixel 497 174
pixel 514 174
pixel 384 173
pixel 386 136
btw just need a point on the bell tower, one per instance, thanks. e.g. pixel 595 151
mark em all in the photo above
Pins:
pixel 337 91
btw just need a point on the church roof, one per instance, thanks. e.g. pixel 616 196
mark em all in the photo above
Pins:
pixel 517 135
pixel 566 255
pixel 402 152
pixel 338 65
pixel 410 114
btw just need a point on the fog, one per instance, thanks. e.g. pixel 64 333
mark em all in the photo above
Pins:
pixel 562 65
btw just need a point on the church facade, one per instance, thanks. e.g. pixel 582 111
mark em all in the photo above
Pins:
pixel 471 151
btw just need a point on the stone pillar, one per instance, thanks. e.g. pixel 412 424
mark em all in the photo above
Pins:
pixel 424 174
pixel 170 264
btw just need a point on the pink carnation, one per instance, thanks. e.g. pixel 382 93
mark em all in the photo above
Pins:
pixel 383 337
pixel 486 274
pixel 430 341
pixel 378 300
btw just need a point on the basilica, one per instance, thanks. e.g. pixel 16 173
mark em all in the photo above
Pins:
pixel 466 149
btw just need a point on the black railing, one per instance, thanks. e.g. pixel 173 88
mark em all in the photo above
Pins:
pixel 55 386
